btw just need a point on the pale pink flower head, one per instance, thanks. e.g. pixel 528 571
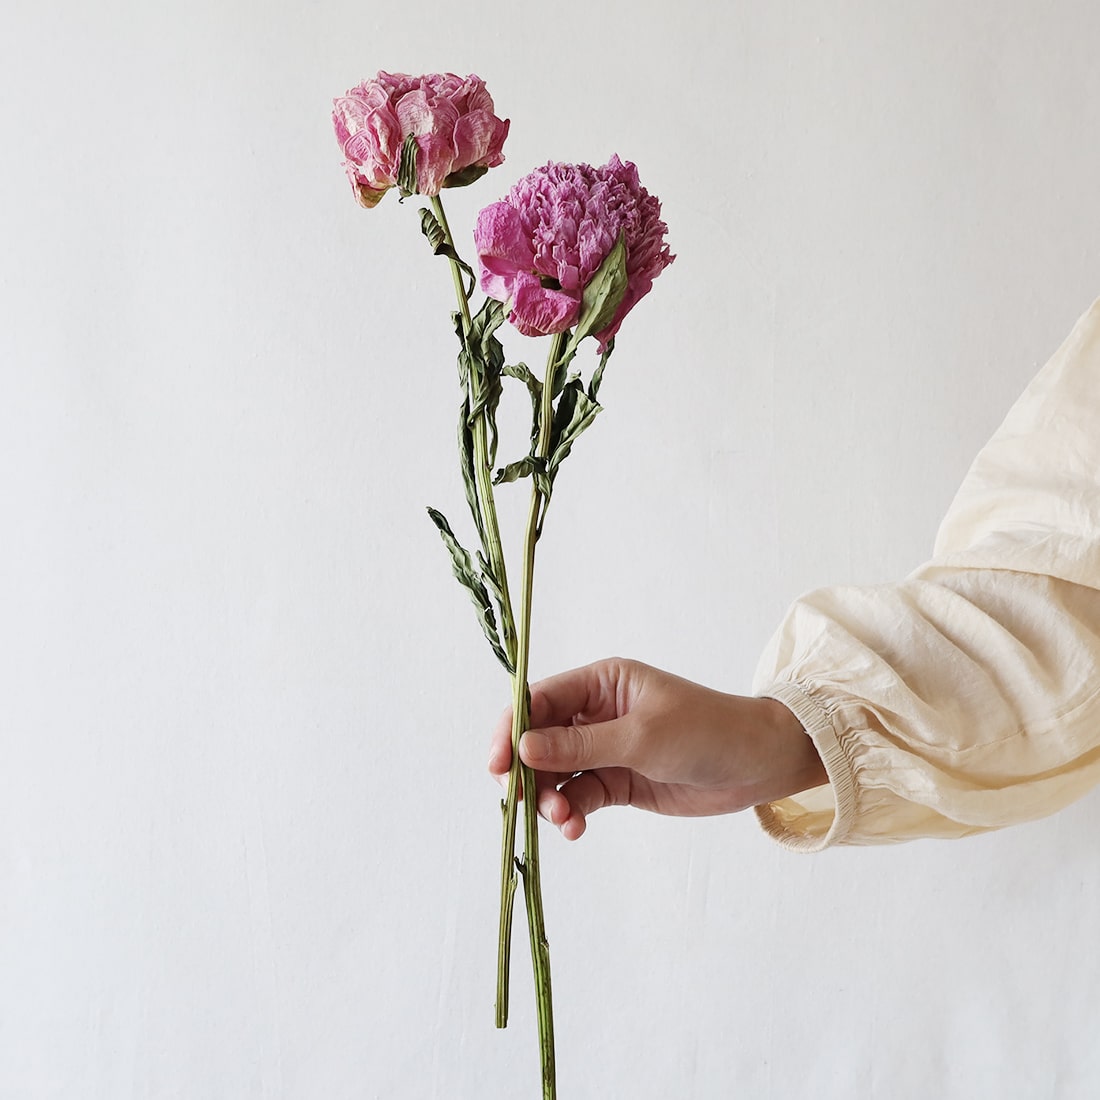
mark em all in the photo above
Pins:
pixel 458 135
pixel 538 248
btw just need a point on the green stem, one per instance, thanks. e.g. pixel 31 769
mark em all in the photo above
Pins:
pixel 520 774
pixel 517 640
pixel 495 553
pixel 483 472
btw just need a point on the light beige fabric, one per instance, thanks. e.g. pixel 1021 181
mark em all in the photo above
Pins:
pixel 967 697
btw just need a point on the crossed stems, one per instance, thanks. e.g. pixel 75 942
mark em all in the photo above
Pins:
pixel 517 647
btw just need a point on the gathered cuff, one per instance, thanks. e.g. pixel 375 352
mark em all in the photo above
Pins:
pixel 815 819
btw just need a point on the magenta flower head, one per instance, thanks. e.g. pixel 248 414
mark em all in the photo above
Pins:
pixel 539 247
pixel 421 133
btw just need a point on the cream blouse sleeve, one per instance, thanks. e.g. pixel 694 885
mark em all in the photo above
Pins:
pixel 966 697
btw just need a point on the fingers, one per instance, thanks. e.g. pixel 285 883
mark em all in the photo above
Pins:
pixel 592 693
pixel 576 725
pixel 576 748
pixel 587 793
pixel 597 692
pixel 568 807
pixel 500 746
pixel 550 804
pixel 554 806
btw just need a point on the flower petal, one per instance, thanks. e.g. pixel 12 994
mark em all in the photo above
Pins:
pixel 474 137
pixel 538 310
pixel 434 162
pixel 503 249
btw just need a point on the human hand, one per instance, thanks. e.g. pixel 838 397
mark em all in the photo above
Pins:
pixel 619 733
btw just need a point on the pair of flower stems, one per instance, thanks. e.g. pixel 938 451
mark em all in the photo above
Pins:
pixel 516 638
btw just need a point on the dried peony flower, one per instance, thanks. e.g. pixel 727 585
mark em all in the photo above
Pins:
pixel 458 136
pixel 539 247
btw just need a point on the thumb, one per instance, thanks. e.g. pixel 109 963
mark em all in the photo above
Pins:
pixel 581 748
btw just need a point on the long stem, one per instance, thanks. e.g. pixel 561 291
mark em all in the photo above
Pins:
pixel 517 640
pixel 520 773
pixel 494 550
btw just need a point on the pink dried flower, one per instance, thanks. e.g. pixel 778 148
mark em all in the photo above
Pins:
pixel 458 137
pixel 538 247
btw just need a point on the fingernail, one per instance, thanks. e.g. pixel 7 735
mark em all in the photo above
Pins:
pixel 535 746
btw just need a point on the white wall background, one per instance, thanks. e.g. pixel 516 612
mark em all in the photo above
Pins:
pixel 248 848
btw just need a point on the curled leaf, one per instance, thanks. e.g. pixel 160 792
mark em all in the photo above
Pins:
pixel 525 467
pixel 469 477
pixel 534 389
pixel 575 412
pixel 466 575
pixel 430 227
pixel 597 374
pixel 437 237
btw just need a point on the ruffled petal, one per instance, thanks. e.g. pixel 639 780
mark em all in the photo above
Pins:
pixel 473 134
pixel 538 310
pixel 503 249
pixel 434 162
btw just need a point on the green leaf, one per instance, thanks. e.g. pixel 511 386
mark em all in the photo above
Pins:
pixel 483 327
pixel 463 354
pixel 490 578
pixel 437 238
pixel 430 227
pixel 597 374
pixel 575 412
pixel 490 401
pixel 603 295
pixel 534 389
pixel 524 374
pixel 406 167
pixel 469 478
pixel 465 176
pixel 497 589
pixel 487 359
pixel 525 467
pixel 463 567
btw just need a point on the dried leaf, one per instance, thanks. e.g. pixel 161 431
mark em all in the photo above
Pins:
pixel 406 167
pixel 575 412
pixel 469 476
pixel 463 567
pixel 525 467
pixel 534 389
pixel 437 238
pixel 603 294
pixel 597 374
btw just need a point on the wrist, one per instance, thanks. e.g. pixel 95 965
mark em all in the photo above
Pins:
pixel 794 762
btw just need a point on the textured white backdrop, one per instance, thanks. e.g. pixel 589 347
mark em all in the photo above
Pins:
pixel 247 845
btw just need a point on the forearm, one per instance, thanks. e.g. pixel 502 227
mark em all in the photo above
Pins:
pixel 953 703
